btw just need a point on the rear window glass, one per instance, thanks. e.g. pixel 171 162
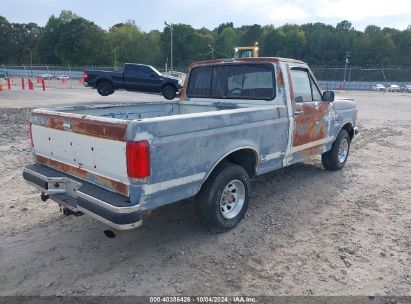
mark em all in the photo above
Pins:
pixel 200 82
pixel 240 81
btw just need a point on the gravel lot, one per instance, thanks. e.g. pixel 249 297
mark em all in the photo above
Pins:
pixel 307 232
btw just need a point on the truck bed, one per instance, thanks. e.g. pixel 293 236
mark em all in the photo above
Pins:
pixel 144 110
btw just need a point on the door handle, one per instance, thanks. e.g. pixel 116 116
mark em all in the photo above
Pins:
pixel 298 113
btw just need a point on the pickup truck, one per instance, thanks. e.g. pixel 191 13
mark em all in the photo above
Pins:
pixel 133 77
pixel 235 119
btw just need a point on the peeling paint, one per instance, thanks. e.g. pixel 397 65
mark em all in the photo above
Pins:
pixel 81 125
pixel 80 173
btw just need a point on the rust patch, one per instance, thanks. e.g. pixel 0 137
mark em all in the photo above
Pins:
pixel 290 85
pixel 311 125
pixel 83 125
pixel 313 151
pixel 184 88
pixel 83 174
pixel 280 78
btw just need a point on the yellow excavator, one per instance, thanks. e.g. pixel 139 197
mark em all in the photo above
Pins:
pixel 246 51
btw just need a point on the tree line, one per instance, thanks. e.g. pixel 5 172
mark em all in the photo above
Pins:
pixel 70 39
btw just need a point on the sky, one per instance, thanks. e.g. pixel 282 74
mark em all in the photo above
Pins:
pixel 151 14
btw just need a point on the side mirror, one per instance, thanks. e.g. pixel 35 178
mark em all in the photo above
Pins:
pixel 328 96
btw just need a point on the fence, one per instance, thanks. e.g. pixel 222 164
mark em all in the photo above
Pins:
pixel 75 72
pixel 356 78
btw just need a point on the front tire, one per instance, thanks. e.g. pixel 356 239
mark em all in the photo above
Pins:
pixel 336 158
pixel 104 88
pixel 223 199
pixel 169 92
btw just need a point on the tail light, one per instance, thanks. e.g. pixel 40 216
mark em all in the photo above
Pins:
pixel 31 134
pixel 85 75
pixel 138 159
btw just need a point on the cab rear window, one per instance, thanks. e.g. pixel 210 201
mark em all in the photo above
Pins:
pixel 237 81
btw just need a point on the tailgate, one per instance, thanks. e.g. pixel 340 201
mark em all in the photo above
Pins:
pixel 88 147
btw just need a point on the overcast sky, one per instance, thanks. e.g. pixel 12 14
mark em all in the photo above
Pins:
pixel 150 14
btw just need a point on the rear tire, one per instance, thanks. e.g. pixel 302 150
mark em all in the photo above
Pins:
pixel 336 158
pixel 104 88
pixel 169 92
pixel 223 198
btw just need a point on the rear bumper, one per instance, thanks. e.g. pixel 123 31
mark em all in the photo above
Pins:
pixel 110 208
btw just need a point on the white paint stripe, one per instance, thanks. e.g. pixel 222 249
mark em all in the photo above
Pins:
pixel 312 144
pixel 272 156
pixel 153 188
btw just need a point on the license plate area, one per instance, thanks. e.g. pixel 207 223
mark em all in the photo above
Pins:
pixel 60 185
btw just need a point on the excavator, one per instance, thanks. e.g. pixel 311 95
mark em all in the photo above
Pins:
pixel 246 51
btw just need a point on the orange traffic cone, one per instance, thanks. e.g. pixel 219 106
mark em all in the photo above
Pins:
pixel 1 87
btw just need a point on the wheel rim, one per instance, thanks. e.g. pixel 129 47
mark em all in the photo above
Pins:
pixel 343 151
pixel 169 92
pixel 232 199
pixel 104 89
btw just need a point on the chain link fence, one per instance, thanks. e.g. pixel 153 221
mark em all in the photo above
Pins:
pixel 358 78
pixel 350 78
pixel 64 76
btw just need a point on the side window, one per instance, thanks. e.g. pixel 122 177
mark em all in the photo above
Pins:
pixel 199 84
pixel 301 85
pixel 316 92
pixel 144 71
pixel 131 69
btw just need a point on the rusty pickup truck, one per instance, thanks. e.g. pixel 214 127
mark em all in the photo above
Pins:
pixel 235 119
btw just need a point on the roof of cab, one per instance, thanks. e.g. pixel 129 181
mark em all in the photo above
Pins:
pixel 258 59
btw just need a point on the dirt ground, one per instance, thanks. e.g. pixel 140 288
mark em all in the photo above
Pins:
pixel 307 231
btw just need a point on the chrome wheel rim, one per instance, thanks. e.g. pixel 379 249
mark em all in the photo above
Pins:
pixel 232 199
pixel 343 151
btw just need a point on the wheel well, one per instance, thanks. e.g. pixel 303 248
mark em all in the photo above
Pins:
pixel 246 158
pixel 168 84
pixel 348 127
pixel 103 80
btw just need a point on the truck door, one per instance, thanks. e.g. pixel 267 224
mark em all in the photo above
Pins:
pixel 131 79
pixel 311 115
pixel 142 78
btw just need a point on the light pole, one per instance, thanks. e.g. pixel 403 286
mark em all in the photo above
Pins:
pixel 31 62
pixel 171 44
pixel 347 61
pixel 212 50
pixel 115 59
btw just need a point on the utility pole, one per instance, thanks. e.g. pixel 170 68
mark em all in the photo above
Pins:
pixel 212 50
pixel 171 43
pixel 347 61
pixel 115 59
pixel 31 62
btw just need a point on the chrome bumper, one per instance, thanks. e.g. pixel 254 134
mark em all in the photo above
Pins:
pixel 77 195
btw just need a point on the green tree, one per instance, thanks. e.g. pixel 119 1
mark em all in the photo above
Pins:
pixel 129 43
pixel 5 40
